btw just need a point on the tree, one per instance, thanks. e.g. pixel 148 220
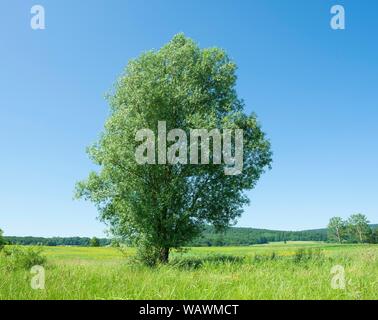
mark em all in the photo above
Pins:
pixel 2 241
pixel 94 242
pixel 358 226
pixel 374 236
pixel 164 206
pixel 337 229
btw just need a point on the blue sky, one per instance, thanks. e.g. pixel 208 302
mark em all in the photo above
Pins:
pixel 314 90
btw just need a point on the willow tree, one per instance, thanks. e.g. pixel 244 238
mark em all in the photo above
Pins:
pixel 159 206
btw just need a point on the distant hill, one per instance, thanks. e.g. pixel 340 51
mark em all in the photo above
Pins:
pixel 232 237
pixel 249 236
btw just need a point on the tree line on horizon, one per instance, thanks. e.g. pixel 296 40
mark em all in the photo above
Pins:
pixel 249 236
pixel 56 241
pixel 232 237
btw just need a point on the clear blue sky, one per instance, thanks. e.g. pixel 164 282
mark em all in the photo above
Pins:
pixel 314 89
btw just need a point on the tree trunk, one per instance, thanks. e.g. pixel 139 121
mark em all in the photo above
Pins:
pixel 360 235
pixel 338 235
pixel 164 255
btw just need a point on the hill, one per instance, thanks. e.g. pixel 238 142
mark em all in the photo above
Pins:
pixel 249 236
pixel 232 237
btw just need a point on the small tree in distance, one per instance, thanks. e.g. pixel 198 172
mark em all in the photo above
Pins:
pixel 94 242
pixel 355 229
pixel 359 229
pixel 337 229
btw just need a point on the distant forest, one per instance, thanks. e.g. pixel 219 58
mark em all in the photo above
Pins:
pixel 55 241
pixel 232 237
pixel 250 236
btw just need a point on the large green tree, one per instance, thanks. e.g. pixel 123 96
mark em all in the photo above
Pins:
pixel 337 229
pixel 163 206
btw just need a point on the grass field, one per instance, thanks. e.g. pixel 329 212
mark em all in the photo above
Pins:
pixel 275 271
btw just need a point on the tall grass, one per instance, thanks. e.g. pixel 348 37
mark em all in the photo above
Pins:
pixel 258 272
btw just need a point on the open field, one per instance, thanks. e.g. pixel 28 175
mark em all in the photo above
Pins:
pixel 273 271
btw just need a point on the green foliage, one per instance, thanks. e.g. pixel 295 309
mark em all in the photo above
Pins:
pixel 56 241
pixel 115 243
pixel 355 229
pixel 208 238
pixel 359 229
pixel 195 262
pixel 159 207
pixel 337 229
pixel 17 257
pixel 262 258
pixel 2 241
pixel 306 255
pixel 374 236
pixel 94 242
pixel 147 254
pixel 250 236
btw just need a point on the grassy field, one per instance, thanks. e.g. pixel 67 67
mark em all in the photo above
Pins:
pixel 275 271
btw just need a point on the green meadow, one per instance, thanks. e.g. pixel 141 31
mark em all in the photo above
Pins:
pixel 295 270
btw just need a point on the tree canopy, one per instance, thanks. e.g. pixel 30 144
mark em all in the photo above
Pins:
pixel 355 229
pixel 358 225
pixel 337 229
pixel 164 206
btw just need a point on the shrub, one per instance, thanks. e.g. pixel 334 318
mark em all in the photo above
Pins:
pixel 193 262
pixel 262 258
pixel 16 257
pixel 115 243
pixel 94 242
pixel 147 255
pixel 303 255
